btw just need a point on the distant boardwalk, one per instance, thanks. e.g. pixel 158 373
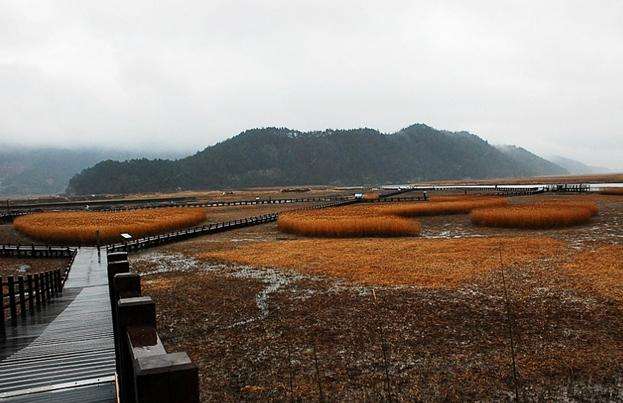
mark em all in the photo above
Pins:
pixel 65 353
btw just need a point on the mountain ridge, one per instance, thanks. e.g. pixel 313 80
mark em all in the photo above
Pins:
pixel 274 156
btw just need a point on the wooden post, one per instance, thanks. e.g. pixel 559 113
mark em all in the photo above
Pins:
pixel 138 311
pixel 54 283
pixel 165 378
pixel 12 305
pixel 31 294
pixel 42 288
pixel 37 292
pixel 22 296
pixel 59 281
pixel 1 307
pixel 48 286
pixel 124 285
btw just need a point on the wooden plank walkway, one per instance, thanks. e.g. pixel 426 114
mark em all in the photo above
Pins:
pixel 64 353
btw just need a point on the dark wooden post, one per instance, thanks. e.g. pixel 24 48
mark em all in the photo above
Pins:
pixel 54 283
pixel 12 305
pixel 117 263
pixel 48 286
pixel 124 285
pixel 31 294
pixel 59 282
pixel 131 312
pixel 166 378
pixel 22 296
pixel 37 292
pixel 42 288
pixel 1 307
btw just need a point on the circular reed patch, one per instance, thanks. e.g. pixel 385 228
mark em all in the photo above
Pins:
pixel 445 206
pixel 81 226
pixel 534 216
pixel 346 223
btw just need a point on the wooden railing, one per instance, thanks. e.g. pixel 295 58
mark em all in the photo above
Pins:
pixel 24 295
pixel 36 251
pixel 118 205
pixel 145 371
pixel 404 198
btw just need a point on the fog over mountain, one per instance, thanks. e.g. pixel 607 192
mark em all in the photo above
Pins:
pixel 46 171
pixel 166 75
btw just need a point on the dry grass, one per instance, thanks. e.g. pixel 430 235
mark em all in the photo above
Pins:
pixel 361 220
pixel 82 226
pixel 535 216
pixel 612 191
pixel 310 224
pixel 586 204
pixel 600 270
pixel 379 219
pixel 449 205
pixel 430 263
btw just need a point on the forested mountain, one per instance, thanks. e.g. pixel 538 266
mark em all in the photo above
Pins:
pixel 524 157
pixel 46 171
pixel 280 156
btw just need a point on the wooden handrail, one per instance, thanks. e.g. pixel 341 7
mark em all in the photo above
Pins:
pixel 26 294
pixel 145 371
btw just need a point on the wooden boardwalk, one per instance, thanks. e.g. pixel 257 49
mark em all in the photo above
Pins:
pixel 65 353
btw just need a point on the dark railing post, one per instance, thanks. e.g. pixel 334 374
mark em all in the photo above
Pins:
pixel 12 305
pixel 165 377
pixel 124 285
pixel 1 307
pixel 137 311
pixel 22 296
pixel 117 263
pixel 31 294
pixel 54 283
pixel 59 282
pixel 37 292
pixel 48 286
pixel 42 288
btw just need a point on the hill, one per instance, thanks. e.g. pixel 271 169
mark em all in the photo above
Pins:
pixel 526 158
pixel 46 171
pixel 284 157
pixel 576 167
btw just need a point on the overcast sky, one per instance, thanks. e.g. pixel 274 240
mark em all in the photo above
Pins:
pixel 546 75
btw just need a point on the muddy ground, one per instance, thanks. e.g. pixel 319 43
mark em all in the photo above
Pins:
pixel 271 334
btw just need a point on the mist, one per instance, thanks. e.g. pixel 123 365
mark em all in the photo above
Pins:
pixel 168 76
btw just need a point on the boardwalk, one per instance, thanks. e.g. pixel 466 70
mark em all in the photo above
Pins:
pixel 65 353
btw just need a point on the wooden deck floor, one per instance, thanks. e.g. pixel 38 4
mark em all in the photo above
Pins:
pixel 65 353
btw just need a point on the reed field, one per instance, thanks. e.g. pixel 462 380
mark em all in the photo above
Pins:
pixel 445 206
pixel 339 223
pixel 586 204
pixel 430 263
pixel 82 226
pixel 599 270
pixel 378 219
pixel 535 216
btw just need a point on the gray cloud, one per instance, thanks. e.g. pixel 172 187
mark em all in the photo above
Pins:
pixel 183 75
